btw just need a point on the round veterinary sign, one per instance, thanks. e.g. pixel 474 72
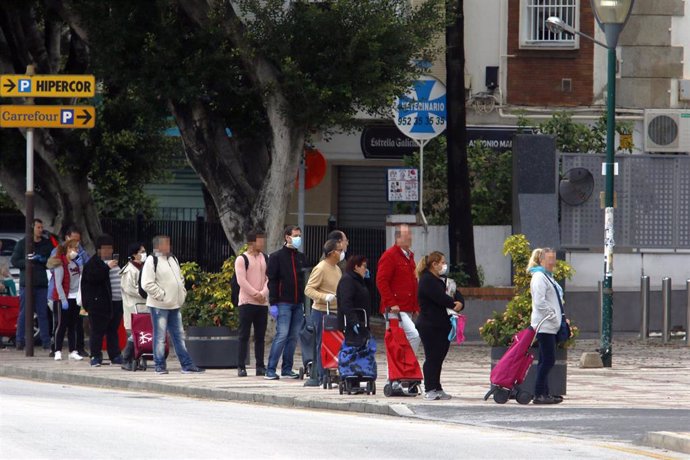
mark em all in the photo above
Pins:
pixel 421 113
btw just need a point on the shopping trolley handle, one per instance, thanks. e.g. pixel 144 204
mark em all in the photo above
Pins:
pixel 546 318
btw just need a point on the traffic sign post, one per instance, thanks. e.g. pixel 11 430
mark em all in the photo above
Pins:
pixel 420 114
pixel 47 116
pixel 32 116
pixel 47 86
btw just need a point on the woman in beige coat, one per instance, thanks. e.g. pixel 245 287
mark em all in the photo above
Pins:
pixel 132 301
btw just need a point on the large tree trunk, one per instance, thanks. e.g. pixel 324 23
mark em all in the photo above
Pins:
pixel 62 198
pixel 460 228
pixel 251 179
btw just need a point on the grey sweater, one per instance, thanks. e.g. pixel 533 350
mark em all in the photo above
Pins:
pixel 544 302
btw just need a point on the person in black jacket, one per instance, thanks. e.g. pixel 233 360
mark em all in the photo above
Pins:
pixel 286 299
pixel 97 298
pixel 433 323
pixel 353 296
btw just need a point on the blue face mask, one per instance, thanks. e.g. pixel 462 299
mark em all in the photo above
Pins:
pixel 296 242
pixel 366 274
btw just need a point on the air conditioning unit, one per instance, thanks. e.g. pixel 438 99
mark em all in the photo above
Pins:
pixel 667 130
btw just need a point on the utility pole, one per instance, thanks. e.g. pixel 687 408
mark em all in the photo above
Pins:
pixel 460 228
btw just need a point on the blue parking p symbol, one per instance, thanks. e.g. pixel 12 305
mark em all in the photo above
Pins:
pixel 67 117
pixel 24 85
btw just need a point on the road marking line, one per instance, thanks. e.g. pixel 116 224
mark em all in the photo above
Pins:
pixel 630 450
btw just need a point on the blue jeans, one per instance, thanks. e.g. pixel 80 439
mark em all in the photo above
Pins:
pixel 290 318
pixel 41 310
pixel 547 359
pixel 317 321
pixel 168 321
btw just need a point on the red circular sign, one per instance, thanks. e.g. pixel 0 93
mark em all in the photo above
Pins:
pixel 315 165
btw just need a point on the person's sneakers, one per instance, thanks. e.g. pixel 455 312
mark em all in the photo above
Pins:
pixel 117 361
pixel 58 356
pixel 241 372
pixel 96 362
pixel 161 370
pixel 444 396
pixel 557 398
pixel 271 375
pixel 260 371
pixel 193 370
pixel 546 399
pixel 75 356
pixel 432 395
pixel 290 375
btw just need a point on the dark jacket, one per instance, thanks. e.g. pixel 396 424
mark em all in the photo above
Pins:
pixel 42 249
pixel 352 294
pixel 286 276
pixel 433 302
pixel 96 294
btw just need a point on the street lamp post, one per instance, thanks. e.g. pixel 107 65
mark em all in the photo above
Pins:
pixel 611 16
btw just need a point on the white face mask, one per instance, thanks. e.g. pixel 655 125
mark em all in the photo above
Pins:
pixel 444 269
pixel 342 256
pixel 73 254
pixel 296 242
pixel 142 256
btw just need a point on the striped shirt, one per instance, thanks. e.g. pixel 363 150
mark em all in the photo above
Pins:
pixel 116 284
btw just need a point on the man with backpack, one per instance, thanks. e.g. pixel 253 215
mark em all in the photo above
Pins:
pixel 162 281
pixel 252 298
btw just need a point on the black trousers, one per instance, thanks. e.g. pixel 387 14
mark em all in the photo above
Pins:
pixel 66 324
pixel 547 359
pixel 105 326
pixel 436 344
pixel 256 315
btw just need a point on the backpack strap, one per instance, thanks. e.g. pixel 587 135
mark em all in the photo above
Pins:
pixel 246 261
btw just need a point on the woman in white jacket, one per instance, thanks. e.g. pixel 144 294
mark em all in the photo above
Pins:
pixel 132 301
pixel 545 304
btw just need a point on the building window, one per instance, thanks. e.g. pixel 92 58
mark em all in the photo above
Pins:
pixel 533 30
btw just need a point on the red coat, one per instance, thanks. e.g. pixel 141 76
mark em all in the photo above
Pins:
pixel 396 280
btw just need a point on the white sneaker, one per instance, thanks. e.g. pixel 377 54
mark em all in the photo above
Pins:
pixel 58 356
pixel 432 395
pixel 75 356
pixel 444 396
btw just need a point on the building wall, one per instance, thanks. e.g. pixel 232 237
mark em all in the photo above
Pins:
pixel 535 76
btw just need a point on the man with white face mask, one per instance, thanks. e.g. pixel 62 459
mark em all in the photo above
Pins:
pixel 339 237
pixel 286 298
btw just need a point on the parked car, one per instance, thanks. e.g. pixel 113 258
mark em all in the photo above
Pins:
pixel 9 241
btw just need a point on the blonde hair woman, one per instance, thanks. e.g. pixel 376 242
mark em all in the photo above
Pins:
pixel 547 297
pixel 433 323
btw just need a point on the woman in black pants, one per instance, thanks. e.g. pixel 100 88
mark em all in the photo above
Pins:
pixel 433 323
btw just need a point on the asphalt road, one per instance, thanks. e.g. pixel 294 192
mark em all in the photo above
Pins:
pixel 626 425
pixel 41 420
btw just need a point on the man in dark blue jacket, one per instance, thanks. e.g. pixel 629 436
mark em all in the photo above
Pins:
pixel 286 298
pixel 42 248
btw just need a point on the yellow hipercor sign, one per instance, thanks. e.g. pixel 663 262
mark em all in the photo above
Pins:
pixel 47 116
pixel 47 86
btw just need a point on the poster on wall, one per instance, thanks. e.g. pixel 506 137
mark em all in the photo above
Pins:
pixel 403 184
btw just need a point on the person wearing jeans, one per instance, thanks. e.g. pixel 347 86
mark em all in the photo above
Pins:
pixel 162 280
pixel 286 297
pixel 397 283
pixel 250 270
pixel 37 263
pixel 547 307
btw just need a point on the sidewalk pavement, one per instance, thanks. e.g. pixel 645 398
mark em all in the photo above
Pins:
pixel 643 376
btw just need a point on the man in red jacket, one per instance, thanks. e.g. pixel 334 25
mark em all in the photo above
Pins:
pixel 397 283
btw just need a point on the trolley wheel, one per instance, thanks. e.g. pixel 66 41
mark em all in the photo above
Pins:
pixel 341 387
pixel 501 396
pixel 523 397
pixel 373 388
pixel 388 390
pixel 413 389
pixel 144 365
pixel 301 373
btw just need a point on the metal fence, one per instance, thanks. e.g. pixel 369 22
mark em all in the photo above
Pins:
pixel 653 203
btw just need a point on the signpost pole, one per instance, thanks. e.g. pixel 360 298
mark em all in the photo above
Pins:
pixel 422 143
pixel 300 194
pixel 29 300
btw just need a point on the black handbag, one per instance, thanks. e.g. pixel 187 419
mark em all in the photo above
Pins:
pixel 563 333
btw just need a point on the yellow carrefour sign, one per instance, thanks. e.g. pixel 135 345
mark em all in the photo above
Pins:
pixel 47 116
pixel 47 86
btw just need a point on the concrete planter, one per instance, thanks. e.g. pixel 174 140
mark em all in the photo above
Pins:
pixel 213 347
pixel 557 376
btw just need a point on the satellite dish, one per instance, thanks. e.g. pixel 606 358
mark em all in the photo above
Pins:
pixel 576 186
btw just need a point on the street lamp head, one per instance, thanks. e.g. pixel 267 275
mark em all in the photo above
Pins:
pixel 612 16
pixel 555 24
pixel 612 11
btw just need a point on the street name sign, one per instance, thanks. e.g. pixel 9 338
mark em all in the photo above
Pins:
pixel 47 116
pixel 421 112
pixel 47 86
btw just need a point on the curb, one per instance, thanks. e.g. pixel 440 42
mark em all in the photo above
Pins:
pixel 677 442
pixel 50 376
